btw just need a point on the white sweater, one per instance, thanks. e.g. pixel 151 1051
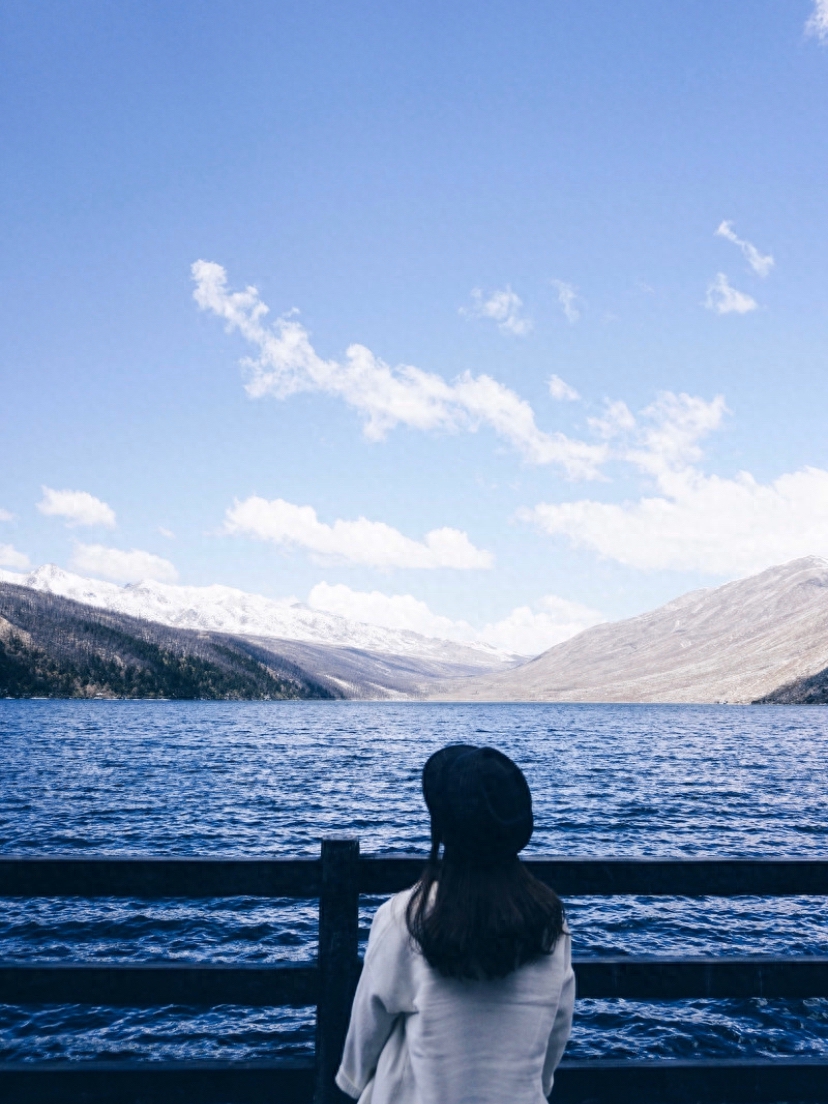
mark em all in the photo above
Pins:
pixel 417 1037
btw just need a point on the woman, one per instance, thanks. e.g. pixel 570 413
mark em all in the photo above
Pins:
pixel 467 990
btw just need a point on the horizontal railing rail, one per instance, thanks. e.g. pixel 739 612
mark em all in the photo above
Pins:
pixel 337 879
pixel 301 878
pixel 287 1081
pixel 636 877
pixel 152 985
pixel 159 878
pixel 156 984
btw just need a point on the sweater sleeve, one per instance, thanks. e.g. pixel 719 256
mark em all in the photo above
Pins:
pixel 376 1004
pixel 371 1025
pixel 563 1019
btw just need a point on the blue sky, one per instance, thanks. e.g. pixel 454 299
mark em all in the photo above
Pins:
pixel 626 198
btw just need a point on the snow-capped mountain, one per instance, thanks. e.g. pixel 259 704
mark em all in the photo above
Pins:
pixel 227 610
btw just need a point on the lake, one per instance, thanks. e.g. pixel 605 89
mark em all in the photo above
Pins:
pixel 207 778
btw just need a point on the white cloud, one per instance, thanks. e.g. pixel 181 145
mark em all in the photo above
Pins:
pixel 529 632
pixel 817 25
pixel 10 557
pixel 121 566
pixel 694 521
pixel 617 419
pixel 390 611
pixel 705 523
pixel 524 631
pixel 78 507
pixel 759 262
pixel 512 418
pixel 287 363
pixel 168 533
pixel 503 307
pixel 568 298
pixel 667 438
pixel 6 516
pixel 372 543
pixel 559 389
pixel 724 299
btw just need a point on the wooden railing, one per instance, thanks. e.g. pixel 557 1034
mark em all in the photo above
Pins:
pixel 337 879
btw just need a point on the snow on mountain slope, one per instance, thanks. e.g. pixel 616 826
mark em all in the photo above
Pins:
pixel 733 643
pixel 227 610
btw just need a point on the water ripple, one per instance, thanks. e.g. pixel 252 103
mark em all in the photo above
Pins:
pixel 175 778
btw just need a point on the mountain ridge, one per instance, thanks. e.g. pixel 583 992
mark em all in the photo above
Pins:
pixel 735 643
pixel 218 608
pixel 72 649
pixel 55 647
pixel 760 639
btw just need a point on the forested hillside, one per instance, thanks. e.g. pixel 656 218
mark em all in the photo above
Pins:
pixel 805 691
pixel 56 648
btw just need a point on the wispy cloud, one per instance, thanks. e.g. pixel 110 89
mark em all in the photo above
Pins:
pixel 504 307
pixel 11 558
pixel 122 566
pixel 372 543
pixel 724 299
pixel 761 263
pixel 666 437
pixel 559 389
pixel 403 612
pixel 386 397
pixel 527 630
pixel 6 516
pixel 77 507
pixel 694 521
pixel 568 298
pixel 817 25
pixel 530 631
pixel 616 419
pixel 168 533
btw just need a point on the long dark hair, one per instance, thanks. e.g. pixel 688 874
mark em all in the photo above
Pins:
pixel 473 920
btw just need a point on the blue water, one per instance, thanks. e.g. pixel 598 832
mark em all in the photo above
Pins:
pixel 167 778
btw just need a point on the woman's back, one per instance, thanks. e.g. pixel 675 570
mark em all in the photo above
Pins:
pixel 453 1041
pixel 467 990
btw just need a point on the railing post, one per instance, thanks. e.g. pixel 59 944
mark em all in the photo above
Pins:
pixel 338 960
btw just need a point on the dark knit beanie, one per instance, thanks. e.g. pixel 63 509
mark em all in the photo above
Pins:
pixel 480 804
